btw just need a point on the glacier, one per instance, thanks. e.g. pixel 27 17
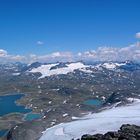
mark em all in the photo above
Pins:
pixel 45 70
pixel 107 120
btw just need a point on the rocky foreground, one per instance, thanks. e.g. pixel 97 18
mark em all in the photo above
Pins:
pixel 126 132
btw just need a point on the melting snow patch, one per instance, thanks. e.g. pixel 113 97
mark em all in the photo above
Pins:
pixel 50 102
pixel 64 115
pixel 53 123
pixel 65 101
pixel 74 118
pixel 103 97
pixel 16 74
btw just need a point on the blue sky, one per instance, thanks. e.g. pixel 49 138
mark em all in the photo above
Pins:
pixel 46 26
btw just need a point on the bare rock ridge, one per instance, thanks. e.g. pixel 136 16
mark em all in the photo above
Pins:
pixel 126 132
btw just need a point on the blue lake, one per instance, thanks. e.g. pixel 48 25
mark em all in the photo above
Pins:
pixel 3 132
pixel 93 102
pixel 8 105
pixel 32 116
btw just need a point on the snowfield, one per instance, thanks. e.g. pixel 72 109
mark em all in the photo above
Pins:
pixel 45 70
pixel 107 120
pixel 111 66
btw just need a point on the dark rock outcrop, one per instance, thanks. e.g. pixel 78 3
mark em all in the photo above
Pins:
pixel 126 132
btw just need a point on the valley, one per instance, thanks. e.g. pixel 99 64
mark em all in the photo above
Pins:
pixel 58 93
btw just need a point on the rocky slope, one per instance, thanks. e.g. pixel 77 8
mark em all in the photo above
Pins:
pixel 126 132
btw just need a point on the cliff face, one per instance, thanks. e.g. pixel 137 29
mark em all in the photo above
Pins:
pixel 126 132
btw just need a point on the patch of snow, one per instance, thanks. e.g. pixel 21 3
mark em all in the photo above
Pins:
pixel 53 123
pixel 56 89
pixel 64 115
pixel 110 65
pixel 16 74
pixel 103 97
pixel 65 101
pixel 50 102
pixel 107 120
pixel 15 127
pixel 35 107
pixel 74 118
pixel 49 110
pixel 77 105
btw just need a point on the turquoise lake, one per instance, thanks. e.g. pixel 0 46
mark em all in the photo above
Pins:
pixel 93 102
pixel 8 105
pixel 32 116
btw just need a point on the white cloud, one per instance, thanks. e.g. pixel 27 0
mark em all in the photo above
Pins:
pixel 5 57
pixel 54 57
pixel 56 54
pixel 3 53
pixel 16 57
pixel 138 35
pixel 40 43
pixel 131 52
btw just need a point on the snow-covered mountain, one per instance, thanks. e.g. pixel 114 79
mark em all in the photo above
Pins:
pixel 55 69
pixel 65 68
pixel 52 69
pixel 110 65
